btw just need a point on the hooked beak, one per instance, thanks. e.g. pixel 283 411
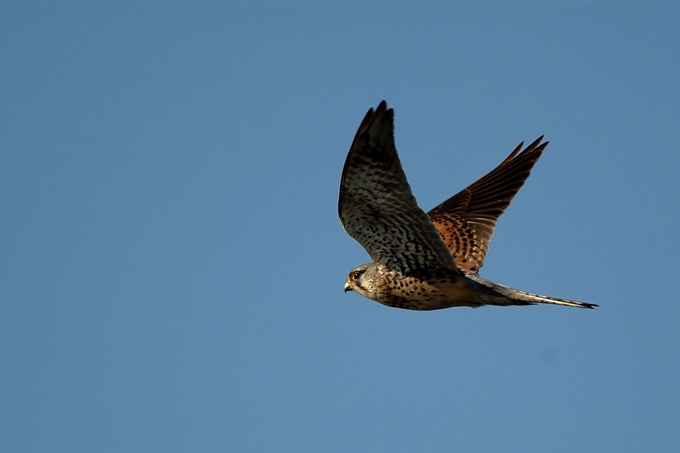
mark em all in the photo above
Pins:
pixel 348 287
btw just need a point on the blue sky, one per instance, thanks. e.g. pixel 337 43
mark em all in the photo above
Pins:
pixel 172 261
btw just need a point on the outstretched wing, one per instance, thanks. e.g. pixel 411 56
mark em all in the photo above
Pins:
pixel 377 207
pixel 466 220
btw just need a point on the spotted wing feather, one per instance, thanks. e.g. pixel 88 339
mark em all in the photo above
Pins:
pixel 466 221
pixel 377 207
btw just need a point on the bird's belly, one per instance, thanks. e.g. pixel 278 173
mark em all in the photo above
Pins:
pixel 414 293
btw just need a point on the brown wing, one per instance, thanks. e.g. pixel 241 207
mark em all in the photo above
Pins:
pixel 467 219
pixel 377 207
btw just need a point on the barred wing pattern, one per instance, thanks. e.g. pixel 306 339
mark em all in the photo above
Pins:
pixel 377 207
pixel 466 220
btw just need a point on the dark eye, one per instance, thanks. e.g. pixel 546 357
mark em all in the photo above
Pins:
pixel 356 275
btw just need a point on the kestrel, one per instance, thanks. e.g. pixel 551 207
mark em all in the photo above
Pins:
pixel 426 261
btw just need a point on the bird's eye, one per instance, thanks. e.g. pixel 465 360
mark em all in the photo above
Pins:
pixel 356 275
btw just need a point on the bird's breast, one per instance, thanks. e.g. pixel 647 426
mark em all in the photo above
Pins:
pixel 429 291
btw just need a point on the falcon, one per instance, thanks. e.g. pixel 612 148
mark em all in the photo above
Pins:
pixel 427 261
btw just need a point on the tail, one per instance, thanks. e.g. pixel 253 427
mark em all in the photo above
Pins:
pixel 523 297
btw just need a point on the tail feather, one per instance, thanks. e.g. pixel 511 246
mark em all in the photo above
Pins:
pixel 526 298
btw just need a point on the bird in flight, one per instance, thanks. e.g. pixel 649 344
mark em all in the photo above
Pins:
pixel 426 261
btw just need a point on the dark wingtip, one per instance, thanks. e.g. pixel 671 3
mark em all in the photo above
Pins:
pixel 383 110
pixel 536 144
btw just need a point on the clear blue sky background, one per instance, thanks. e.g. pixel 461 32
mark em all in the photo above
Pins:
pixel 172 261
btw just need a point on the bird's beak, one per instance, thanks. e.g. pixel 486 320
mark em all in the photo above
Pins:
pixel 348 287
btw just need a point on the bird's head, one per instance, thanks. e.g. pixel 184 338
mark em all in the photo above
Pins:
pixel 360 279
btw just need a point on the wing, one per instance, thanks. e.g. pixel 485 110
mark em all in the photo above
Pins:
pixel 466 220
pixel 377 207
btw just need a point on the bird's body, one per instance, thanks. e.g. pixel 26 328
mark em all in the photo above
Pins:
pixel 426 261
pixel 432 290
